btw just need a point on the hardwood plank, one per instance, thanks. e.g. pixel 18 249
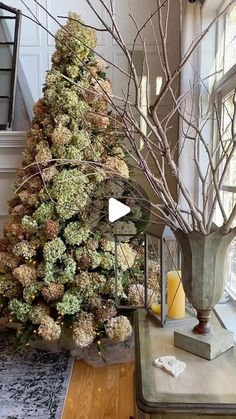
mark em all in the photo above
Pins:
pixel 126 397
pixel 100 393
pixel 111 401
pixel 79 397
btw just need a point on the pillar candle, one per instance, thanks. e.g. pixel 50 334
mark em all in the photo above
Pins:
pixel 156 308
pixel 175 300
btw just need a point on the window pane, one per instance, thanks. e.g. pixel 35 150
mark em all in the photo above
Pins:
pixel 228 193
pixel 230 40
pixel 231 269
pixel 229 200
pixel 227 121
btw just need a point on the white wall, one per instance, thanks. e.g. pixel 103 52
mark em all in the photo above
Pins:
pixel 37 45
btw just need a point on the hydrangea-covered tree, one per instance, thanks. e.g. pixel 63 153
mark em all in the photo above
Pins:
pixel 57 254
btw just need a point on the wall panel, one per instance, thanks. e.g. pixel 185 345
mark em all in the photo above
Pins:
pixel 11 148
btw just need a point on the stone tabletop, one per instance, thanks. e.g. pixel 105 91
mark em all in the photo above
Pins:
pixel 208 386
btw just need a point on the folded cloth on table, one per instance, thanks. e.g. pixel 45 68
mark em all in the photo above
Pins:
pixel 170 364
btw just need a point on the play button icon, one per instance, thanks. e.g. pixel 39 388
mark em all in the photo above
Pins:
pixel 117 210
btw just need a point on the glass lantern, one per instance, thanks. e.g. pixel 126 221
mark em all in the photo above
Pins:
pixel 173 305
pixel 148 275
pixel 137 271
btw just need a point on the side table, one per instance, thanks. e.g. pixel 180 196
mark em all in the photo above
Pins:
pixel 205 389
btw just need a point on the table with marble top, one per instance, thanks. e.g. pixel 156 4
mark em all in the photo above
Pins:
pixel 205 388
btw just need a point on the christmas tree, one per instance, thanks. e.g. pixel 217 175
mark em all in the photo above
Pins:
pixel 57 254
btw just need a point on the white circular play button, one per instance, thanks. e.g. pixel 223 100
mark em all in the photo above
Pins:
pixel 117 210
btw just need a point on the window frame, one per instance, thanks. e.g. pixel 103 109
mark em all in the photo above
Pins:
pixel 224 83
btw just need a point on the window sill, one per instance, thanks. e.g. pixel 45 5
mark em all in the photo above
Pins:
pixel 227 314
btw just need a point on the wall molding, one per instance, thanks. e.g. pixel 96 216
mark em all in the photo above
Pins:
pixel 12 139
pixel 37 34
pixel 8 169
pixel 37 71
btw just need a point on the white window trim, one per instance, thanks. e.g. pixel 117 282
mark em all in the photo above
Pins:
pixel 223 85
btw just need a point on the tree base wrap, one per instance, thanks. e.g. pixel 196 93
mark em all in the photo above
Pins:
pixel 207 347
pixel 112 352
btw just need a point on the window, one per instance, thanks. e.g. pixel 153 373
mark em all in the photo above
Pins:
pixel 226 97
pixel 230 39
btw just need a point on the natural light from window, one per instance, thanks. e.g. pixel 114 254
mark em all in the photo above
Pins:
pixel 230 40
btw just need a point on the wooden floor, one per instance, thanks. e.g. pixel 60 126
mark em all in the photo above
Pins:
pixel 100 393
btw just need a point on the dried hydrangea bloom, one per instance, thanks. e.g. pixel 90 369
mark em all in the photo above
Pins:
pixel 88 258
pixel 76 233
pixel 61 135
pixel 43 153
pixel 51 229
pixel 105 312
pixel 39 107
pixel 102 86
pixel 98 66
pixel 72 71
pixel 100 121
pixel 114 287
pixel 70 303
pixel 15 291
pixel 9 287
pixel 4 244
pixel 109 188
pixel 81 49
pixel 95 302
pixel 92 244
pixel 32 291
pixel 107 261
pixel 19 211
pixel 24 249
pixel 25 274
pixel 125 256
pixel 29 198
pixel 44 212
pixel 54 250
pixel 8 260
pixel 49 173
pixel 94 151
pixel 49 329
pixel 81 139
pixel 38 312
pixel 29 225
pixel 108 243
pixel 116 167
pixel 90 283
pixel 118 328
pixel 14 232
pixel 19 309
pixel 154 282
pixel 136 295
pixel 53 292
pixel 83 330
pixel 68 271
pixel 70 192
pixel 125 227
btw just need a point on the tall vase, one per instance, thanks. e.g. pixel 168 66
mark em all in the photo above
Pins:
pixel 203 267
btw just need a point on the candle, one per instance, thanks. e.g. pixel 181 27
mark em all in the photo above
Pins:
pixel 156 308
pixel 175 299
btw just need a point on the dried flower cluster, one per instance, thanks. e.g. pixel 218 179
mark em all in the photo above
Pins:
pixel 118 328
